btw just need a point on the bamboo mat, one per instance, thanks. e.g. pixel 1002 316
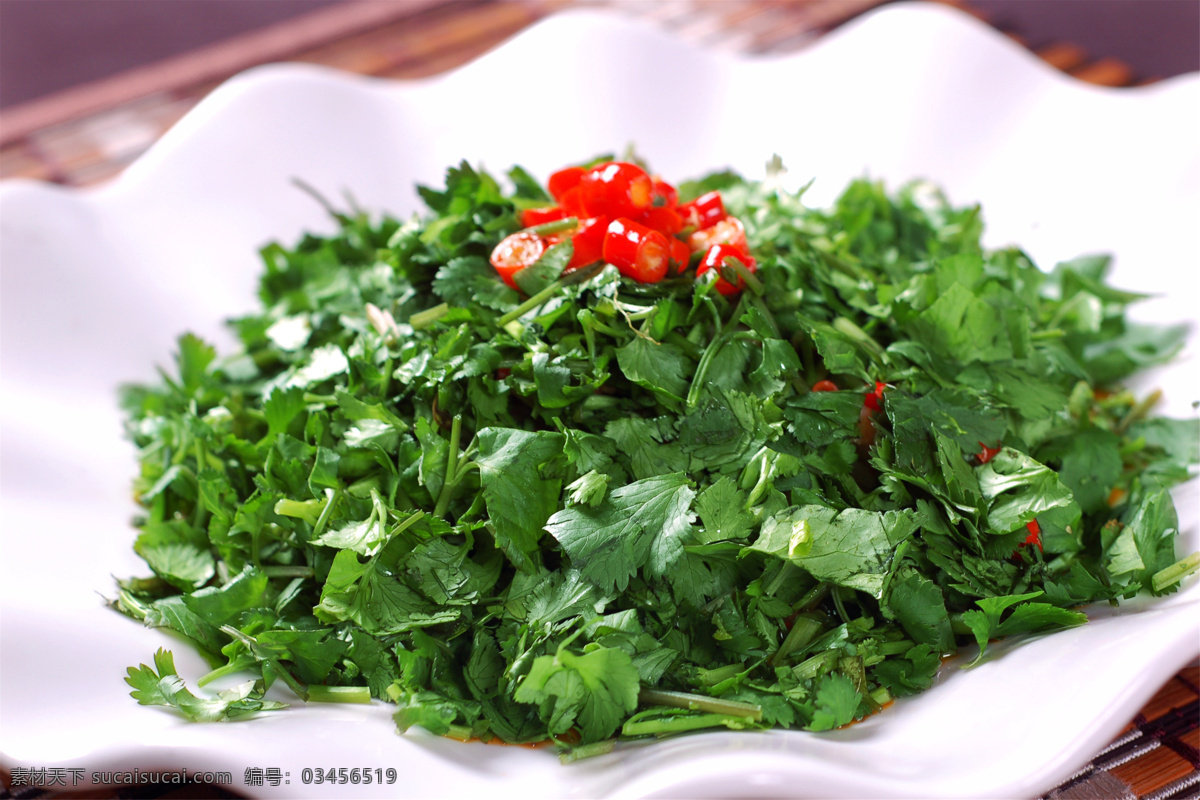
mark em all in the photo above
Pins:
pixel 86 135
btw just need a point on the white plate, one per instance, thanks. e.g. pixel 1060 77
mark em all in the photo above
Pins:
pixel 96 285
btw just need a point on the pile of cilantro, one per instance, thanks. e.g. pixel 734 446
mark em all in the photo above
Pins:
pixel 599 509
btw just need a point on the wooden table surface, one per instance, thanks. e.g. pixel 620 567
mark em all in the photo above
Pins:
pixel 86 135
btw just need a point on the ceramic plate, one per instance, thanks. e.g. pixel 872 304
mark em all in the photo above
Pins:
pixel 97 284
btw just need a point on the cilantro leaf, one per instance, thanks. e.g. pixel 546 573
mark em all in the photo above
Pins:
pixel 365 537
pixel 593 691
pixel 160 685
pixel 768 508
pixel 721 510
pixel 1017 488
pixel 180 563
pixel 662 368
pixel 851 547
pixel 640 524
pixel 645 446
pixel 194 358
pixel 1024 617
pixel 919 606
pixel 911 673
pixel 519 497
pixel 837 703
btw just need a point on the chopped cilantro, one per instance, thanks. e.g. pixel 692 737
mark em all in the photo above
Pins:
pixel 589 507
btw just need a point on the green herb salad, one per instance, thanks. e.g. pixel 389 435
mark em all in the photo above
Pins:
pixel 549 463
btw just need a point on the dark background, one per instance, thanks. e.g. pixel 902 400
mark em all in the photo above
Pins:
pixel 49 45
pixel 1157 38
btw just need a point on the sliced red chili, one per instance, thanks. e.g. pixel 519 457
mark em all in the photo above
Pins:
pixel 664 195
pixel 616 189
pixel 728 231
pixel 664 220
pixel 825 386
pixel 1035 534
pixel 563 180
pixel 539 216
pixel 588 242
pixel 572 203
pixel 866 426
pixel 703 212
pixel 986 453
pixel 680 255
pixel 638 252
pixel 874 400
pixel 515 253
pixel 715 258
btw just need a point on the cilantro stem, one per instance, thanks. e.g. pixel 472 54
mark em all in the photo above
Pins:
pixel 841 609
pixel 726 335
pixel 578 276
pixel 312 192
pixel 408 522
pixel 296 686
pixel 785 572
pixel 242 662
pixel 663 727
pixel 699 702
pixel 339 694
pixel 802 632
pixel 815 665
pixel 387 379
pixel 896 648
pixel 1176 572
pixel 554 226
pixel 423 319
pixel 710 352
pixel 600 748
pixel 308 510
pixel 747 277
pixel 460 732
pixel 1139 410
pixel 269 665
pixel 597 325
pixel 732 682
pixel 766 472
pixel 331 500
pixel 288 572
pixel 532 303
pixel 861 337
pixel 467 454
pixel 812 597
pixel 311 398
pixel 443 501
pixel 711 677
